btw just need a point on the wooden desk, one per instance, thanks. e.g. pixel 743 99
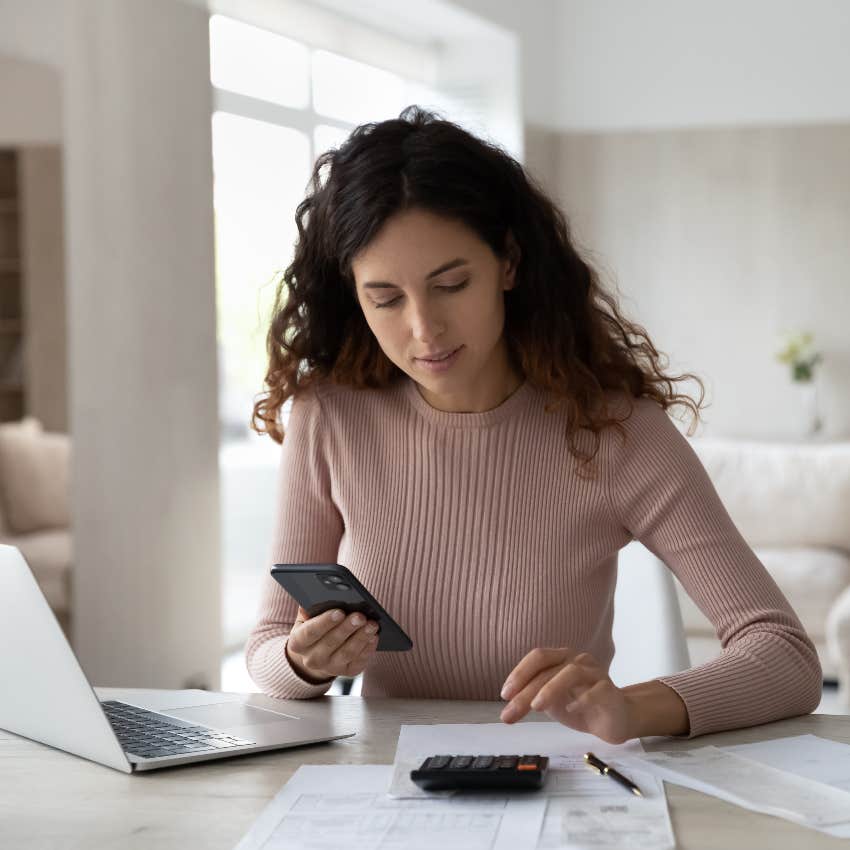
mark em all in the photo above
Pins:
pixel 49 799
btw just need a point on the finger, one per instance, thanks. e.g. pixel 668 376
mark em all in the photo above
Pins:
pixel 535 661
pixel 520 705
pixel 523 702
pixel 319 655
pixel 351 649
pixel 581 673
pixel 361 659
pixel 310 632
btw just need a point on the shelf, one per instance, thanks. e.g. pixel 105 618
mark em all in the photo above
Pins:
pixel 11 326
pixel 8 205
pixel 9 265
pixel 11 389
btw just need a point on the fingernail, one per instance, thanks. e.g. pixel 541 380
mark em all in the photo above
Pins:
pixel 371 629
pixel 536 703
pixel 507 689
pixel 508 714
pixel 337 616
pixel 357 620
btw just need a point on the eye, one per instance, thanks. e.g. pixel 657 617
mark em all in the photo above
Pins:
pixel 388 303
pixel 455 288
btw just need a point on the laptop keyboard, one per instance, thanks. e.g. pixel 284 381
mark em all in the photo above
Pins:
pixel 152 735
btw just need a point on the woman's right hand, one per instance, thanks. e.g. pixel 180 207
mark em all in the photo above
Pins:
pixel 330 644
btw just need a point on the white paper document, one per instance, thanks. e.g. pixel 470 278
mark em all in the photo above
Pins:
pixel 583 809
pixel 815 758
pixel 329 807
pixel 753 785
pixel 806 755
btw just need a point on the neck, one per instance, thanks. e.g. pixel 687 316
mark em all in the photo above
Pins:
pixel 492 386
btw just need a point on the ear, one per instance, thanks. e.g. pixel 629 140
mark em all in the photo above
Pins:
pixel 511 261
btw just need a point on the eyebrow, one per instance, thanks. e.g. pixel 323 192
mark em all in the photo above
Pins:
pixel 451 264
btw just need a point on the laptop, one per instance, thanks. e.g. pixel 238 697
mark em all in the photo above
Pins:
pixel 45 696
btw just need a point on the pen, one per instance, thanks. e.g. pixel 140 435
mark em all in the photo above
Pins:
pixel 603 769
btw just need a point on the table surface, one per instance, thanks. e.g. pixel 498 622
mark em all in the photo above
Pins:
pixel 49 799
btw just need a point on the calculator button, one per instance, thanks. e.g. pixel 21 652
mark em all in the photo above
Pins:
pixel 436 762
pixel 483 762
pixel 460 762
pixel 507 762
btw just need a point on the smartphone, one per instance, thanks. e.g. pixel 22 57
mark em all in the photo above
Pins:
pixel 320 587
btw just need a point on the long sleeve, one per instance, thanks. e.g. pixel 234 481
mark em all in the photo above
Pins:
pixel 660 492
pixel 308 530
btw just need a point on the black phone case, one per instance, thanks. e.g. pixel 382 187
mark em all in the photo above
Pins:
pixel 320 587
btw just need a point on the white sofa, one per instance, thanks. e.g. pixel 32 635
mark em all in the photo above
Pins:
pixel 791 502
pixel 34 506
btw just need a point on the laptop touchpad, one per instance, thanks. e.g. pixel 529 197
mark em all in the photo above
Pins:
pixel 228 714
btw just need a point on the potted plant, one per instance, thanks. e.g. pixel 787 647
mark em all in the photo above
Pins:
pixel 800 355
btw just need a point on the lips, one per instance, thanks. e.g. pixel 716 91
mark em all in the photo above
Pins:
pixel 441 355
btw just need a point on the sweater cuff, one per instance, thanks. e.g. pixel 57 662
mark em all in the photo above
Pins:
pixel 271 671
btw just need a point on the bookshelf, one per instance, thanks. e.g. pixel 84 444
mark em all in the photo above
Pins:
pixel 12 383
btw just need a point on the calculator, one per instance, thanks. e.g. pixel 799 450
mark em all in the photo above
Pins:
pixel 509 773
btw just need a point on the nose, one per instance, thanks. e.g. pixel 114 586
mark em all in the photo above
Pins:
pixel 425 323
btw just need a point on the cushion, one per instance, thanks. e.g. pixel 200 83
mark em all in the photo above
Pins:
pixel 34 480
pixel 27 425
pixel 782 494
pixel 811 579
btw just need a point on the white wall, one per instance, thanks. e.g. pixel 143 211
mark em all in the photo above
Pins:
pixel 33 30
pixel 692 63
pixel 30 102
pixel 720 240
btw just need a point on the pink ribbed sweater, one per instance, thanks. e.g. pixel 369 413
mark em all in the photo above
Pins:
pixel 476 534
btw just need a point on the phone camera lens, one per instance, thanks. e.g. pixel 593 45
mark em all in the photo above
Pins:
pixel 341 585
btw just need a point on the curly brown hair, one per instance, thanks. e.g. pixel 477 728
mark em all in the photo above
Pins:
pixel 563 330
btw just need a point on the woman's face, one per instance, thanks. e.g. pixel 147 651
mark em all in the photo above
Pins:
pixel 429 286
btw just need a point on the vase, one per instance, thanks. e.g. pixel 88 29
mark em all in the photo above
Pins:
pixel 809 406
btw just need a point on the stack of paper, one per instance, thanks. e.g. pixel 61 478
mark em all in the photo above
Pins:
pixel 804 779
pixel 349 805
pixel 582 808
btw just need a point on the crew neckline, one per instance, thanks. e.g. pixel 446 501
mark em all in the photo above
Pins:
pixel 514 402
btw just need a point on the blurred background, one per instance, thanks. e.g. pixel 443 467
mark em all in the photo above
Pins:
pixel 152 155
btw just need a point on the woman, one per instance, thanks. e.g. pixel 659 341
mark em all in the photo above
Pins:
pixel 475 433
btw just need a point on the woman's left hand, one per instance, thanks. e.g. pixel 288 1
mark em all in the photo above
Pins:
pixel 572 688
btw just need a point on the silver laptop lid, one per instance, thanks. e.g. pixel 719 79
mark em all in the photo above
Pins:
pixel 45 695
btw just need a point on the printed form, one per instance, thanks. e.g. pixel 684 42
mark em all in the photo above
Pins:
pixel 328 806
pixel 583 809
